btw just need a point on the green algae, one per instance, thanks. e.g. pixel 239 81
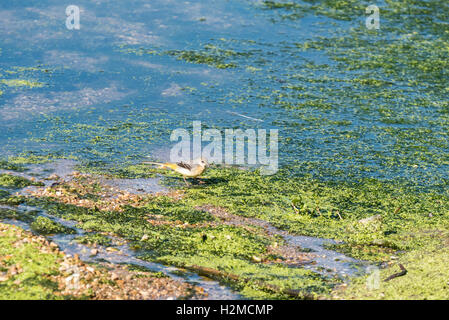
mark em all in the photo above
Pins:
pixel 4 194
pixel 210 54
pixel 34 282
pixel 32 158
pixel 24 78
pixel 330 210
pixel 94 239
pixel 227 248
pixel 12 214
pixel 154 274
pixel 375 220
pixel 46 226
pixel 12 200
pixel 7 165
pixel 21 83
pixel 426 277
pixel 372 107
pixel 12 181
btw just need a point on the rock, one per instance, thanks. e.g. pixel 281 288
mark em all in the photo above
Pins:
pixel 94 252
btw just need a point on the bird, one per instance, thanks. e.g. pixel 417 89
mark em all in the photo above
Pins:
pixel 189 170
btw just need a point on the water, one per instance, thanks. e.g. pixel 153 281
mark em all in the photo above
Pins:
pixel 328 263
pixel 110 93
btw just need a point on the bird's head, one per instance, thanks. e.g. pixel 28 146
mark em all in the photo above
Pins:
pixel 202 162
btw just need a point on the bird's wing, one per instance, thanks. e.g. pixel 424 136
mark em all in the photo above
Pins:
pixel 195 170
pixel 184 165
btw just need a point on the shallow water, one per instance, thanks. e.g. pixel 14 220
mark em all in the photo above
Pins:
pixel 349 102
pixel 324 261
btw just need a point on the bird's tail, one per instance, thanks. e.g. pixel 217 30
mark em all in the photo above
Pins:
pixel 163 165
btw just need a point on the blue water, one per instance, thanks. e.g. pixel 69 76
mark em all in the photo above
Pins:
pixel 111 94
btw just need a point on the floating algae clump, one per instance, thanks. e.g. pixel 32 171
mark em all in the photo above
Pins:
pixel 6 165
pixel 12 214
pixel 11 181
pixel 22 83
pixel 45 225
pixel 94 239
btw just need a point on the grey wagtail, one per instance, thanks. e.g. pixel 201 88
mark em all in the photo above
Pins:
pixel 192 170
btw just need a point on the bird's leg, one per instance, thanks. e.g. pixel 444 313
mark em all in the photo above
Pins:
pixel 187 184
